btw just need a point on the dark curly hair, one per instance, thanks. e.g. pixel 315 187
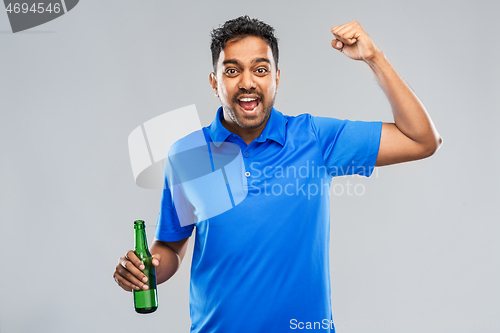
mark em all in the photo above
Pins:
pixel 238 29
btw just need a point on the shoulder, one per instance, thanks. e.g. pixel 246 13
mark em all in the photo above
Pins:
pixel 309 118
pixel 313 123
pixel 298 120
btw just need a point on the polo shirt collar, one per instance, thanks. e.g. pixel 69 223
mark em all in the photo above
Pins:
pixel 274 130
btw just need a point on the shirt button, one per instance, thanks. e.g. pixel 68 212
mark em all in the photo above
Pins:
pixel 247 174
pixel 246 154
pixel 233 135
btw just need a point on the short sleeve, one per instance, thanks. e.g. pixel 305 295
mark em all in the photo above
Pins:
pixel 348 147
pixel 168 227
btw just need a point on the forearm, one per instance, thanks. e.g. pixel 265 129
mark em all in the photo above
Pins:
pixel 169 263
pixel 410 115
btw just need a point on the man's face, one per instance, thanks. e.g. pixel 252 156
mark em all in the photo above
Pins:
pixel 246 83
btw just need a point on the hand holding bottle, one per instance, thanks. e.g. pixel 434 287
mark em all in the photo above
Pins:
pixel 136 271
pixel 128 273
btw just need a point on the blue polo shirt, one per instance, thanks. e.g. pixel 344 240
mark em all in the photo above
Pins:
pixel 263 265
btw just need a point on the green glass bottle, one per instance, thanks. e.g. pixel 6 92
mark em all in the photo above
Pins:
pixel 145 301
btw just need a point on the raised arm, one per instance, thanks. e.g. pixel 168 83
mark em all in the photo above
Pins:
pixel 412 136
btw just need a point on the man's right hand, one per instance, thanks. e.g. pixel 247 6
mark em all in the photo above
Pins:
pixel 128 273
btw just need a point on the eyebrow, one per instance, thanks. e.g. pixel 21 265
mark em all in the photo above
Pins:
pixel 235 62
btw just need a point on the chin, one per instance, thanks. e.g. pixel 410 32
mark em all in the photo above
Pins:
pixel 254 122
pixel 246 120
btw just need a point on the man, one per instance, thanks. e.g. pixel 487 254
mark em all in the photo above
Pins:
pixel 263 266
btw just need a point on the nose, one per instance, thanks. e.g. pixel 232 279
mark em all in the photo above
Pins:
pixel 246 81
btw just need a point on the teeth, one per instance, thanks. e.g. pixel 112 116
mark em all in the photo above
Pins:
pixel 247 99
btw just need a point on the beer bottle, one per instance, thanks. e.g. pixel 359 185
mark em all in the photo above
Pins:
pixel 145 301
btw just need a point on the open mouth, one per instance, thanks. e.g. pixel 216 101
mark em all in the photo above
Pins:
pixel 248 104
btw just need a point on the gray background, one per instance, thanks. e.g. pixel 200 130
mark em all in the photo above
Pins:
pixel 418 249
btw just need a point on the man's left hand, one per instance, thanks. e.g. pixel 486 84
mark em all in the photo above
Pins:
pixel 354 42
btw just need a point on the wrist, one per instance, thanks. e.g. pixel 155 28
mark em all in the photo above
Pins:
pixel 376 60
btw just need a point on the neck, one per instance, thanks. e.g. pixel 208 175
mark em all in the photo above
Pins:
pixel 247 134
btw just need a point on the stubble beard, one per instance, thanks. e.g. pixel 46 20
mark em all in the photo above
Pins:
pixel 266 111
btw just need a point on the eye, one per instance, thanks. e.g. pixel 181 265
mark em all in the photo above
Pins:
pixel 231 72
pixel 262 70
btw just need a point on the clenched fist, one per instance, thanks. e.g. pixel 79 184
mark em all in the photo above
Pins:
pixel 354 42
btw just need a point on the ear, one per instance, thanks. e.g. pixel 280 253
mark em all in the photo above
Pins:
pixel 277 78
pixel 213 83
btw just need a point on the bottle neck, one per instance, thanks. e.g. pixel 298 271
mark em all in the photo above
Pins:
pixel 141 242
